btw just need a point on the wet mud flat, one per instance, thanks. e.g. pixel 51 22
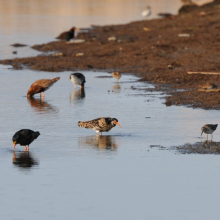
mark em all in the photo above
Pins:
pixel 206 147
pixel 160 51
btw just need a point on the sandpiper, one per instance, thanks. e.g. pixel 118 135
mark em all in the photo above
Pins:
pixel 147 11
pixel 116 75
pixel 209 129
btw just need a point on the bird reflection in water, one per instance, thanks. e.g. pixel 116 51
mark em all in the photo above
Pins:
pixel 102 142
pixel 117 88
pixel 24 160
pixel 41 106
pixel 77 95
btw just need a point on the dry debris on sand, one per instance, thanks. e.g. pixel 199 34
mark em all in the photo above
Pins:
pixel 171 47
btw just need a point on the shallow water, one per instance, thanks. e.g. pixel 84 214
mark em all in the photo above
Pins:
pixel 69 171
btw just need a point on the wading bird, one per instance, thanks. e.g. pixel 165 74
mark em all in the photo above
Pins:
pixel 209 129
pixel 24 137
pixel 78 78
pixel 100 124
pixel 40 86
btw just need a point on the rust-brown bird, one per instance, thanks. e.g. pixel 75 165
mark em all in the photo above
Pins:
pixel 116 75
pixel 40 86
pixel 67 35
pixel 100 124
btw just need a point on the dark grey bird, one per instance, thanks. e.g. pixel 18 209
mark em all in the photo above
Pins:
pixel 24 137
pixel 209 129
pixel 78 78
pixel 67 35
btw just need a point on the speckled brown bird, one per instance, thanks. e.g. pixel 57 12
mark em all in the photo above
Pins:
pixel 40 86
pixel 209 129
pixel 116 75
pixel 67 35
pixel 100 124
pixel 208 86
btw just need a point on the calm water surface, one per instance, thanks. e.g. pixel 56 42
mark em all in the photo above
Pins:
pixel 69 171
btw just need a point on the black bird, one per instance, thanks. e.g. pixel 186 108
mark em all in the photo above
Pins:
pixel 24 137
pixel 209 129
pixel 67 35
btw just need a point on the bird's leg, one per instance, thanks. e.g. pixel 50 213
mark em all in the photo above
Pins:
pixel 14 157
pixel 28 148
pixel 43 94
pixel 101 133
pixel 97 133
pixel 74 86
pixel 25 148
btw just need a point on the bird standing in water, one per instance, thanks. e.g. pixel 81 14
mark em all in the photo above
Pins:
pixel 24 137
pixel 67 35
pixel 100 124
pixel 40 86
pixel 116 75
pixel 78 78
pixel 209 129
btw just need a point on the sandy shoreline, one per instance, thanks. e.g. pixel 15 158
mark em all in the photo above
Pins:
pixel 187 42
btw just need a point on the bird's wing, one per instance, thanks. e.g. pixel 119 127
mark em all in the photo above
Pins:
pixel 44 83
pixel 37 89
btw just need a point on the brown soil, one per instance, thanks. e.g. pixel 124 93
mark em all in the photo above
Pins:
pixel 145 49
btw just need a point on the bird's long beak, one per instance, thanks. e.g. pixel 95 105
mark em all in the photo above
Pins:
pixel 117 123
pixel 76 29
pixel 14 143
pixel 201 133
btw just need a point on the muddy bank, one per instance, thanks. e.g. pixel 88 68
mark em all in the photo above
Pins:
pixel 187 42
pixel 206 147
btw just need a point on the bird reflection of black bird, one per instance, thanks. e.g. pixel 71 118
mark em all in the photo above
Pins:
pixel 39 105
pixel 76 95
pixel 24 160
pixel 105 142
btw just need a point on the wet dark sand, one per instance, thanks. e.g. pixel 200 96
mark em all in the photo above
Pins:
pixel 207 147
pixel 145 49
pixel 203 147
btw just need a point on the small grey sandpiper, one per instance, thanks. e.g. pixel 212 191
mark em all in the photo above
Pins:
pixel 209 129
